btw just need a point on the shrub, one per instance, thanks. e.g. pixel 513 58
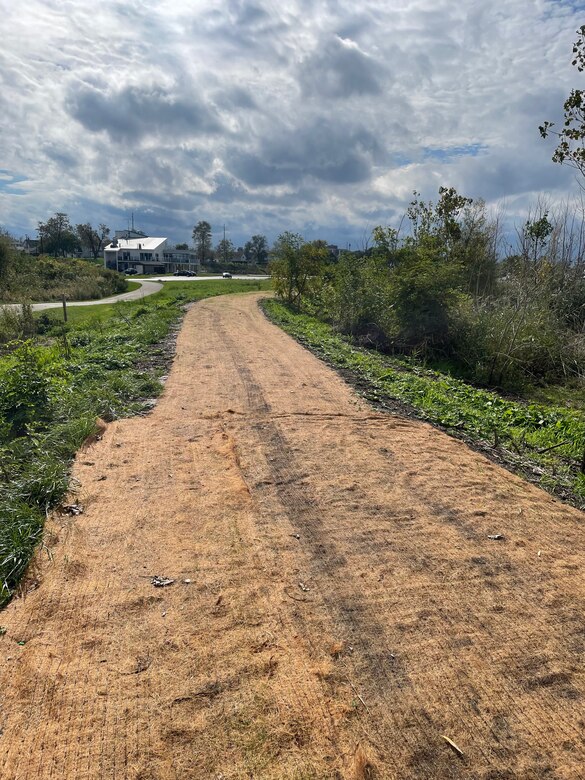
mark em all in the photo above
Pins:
pixel 16 323
pixel 426 292
pixel 26 385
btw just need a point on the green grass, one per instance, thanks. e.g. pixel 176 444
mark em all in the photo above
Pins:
pixel 133 286
pixel 517 433
pixel 29 278
pixel 570 395
pixel 180 292
pixel 105 362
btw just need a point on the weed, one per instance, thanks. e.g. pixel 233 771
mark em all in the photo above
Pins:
pixel 544 442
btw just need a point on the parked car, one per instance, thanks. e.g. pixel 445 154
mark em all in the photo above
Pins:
pixel 130 271
pixel 226 275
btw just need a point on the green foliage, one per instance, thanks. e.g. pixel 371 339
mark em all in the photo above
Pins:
pixel 57 236
pixel 355 297
pixel 256 250
pixel 104 363
pixel 425 289
pixel 438 223
pixel 440 293
pixel 522 434
pixel 296 266
pixel 202 240
pixel 20 531
pixel 385 240
pixel 571 138
pixel 16 322
pixel 225 251
pixel 6 253
pixel 47 279
pixel 92 238
pixel 516 340
pixel 27 380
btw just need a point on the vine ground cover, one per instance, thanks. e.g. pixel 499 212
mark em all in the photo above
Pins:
pixel 545 443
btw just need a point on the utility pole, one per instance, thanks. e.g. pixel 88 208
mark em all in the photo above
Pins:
pixel 224 247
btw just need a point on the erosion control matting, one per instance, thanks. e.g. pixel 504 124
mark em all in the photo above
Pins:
pixel 272 580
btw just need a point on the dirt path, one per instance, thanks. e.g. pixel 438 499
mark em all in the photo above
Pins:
pixel 345 605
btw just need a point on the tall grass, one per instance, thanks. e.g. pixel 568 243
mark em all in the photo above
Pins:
pixel 43 278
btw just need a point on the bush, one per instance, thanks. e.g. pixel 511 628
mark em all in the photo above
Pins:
pixel 48 279
pixel 355 297
pixel 16 323
pixel 426 290
pixel 26 384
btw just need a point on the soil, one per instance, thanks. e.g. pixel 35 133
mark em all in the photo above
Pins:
pixel 338 607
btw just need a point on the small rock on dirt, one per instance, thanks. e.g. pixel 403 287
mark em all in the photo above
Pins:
pixel 72 509
pixel 160 582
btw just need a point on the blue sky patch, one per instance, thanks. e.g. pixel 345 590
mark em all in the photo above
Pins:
pixel 8 180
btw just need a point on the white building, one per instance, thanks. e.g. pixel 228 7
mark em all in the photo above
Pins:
pixel 148 255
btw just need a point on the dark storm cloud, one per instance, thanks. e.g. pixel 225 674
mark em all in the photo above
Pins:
pixel 325 150
pixel 339 70
pixel 132 113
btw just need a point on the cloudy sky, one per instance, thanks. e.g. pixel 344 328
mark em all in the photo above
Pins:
pixel 318 117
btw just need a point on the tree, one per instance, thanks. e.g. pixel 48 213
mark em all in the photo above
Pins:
pixel 256 250
pixel 57 236
pixel 439 224
pixel 93 239
pixel 5 258
pixel 571 138
pixel 182 247
pixel 296 265
pixel 202 240
pixel 385 242
pixel 225 250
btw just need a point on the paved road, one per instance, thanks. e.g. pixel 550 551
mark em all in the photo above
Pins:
pixel 337 605
pixel 201 278
pixel 147 288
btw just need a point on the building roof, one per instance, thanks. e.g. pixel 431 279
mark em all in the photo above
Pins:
pixel 143 244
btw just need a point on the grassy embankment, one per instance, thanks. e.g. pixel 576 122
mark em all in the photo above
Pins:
pixel 29 279
pixel 542 441
pixel 106 362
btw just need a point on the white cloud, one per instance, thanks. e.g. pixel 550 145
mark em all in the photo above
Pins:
pixel 305 116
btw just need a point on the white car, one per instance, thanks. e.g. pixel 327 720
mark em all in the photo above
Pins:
pixel 226 275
